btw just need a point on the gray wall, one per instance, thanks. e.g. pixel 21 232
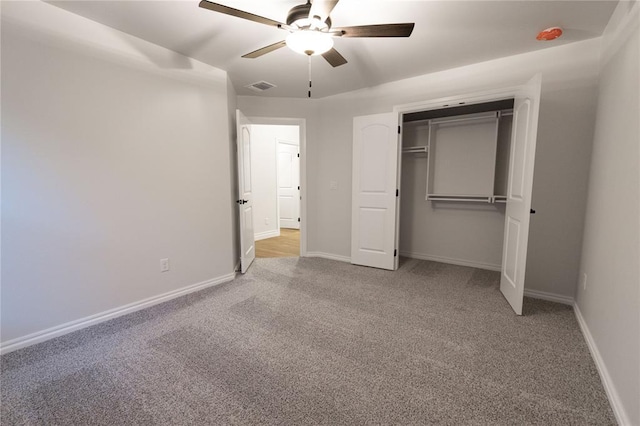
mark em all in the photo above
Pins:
pixel 610 300
pixel 109 163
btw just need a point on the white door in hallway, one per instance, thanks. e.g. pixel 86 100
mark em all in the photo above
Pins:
pixel 375 207
pixel 245 196
pixel 520 184
pixel 288 185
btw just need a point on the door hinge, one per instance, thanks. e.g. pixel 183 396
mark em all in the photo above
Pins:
pixel 298 219
pixel 298 188
pixel 395 252
pixel 397 192
pixel 298 155
pixel 399 129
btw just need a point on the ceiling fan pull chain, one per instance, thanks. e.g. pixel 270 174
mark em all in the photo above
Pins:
pixel 309 75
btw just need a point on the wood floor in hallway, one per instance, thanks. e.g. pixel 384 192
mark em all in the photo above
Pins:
pixel 286 245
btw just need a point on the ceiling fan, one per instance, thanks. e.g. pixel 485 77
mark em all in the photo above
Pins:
pixel 310 30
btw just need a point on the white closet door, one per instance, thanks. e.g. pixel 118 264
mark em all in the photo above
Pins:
pixel 245 201
pixel 375 181
pixel 520 183
pixel 288 185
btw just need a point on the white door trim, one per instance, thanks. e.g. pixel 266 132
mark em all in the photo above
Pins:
pixel 302 125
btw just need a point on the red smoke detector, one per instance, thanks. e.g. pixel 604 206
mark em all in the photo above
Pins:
pixel 549 34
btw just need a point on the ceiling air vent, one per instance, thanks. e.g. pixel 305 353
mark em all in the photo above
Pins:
pixel 260 86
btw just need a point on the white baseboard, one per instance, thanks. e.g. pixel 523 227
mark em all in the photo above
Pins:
pixel 50 333
pixel 552 297
pixel 267 234
pixel 328 256
pixel 616 404
pixel 451 260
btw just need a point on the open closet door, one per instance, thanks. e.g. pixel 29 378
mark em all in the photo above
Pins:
pixel 245 197
pixel 520 183
pixel 374 212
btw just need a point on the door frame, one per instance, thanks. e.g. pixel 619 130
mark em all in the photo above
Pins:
pixel 302 126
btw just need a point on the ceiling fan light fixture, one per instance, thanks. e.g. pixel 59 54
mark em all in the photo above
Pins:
pixel 309 42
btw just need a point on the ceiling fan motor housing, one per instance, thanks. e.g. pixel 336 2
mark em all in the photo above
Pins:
pixel 301 13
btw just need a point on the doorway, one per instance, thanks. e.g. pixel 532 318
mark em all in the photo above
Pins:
pixel 276 163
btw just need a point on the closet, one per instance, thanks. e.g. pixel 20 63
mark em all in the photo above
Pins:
pixel 450 184
pixel 454 180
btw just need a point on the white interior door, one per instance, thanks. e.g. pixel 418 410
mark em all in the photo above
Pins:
pixel 520 183
pixel 288 185
pixel 245 196
pixel 374 193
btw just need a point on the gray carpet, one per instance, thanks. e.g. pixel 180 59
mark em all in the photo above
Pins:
pixel 313 341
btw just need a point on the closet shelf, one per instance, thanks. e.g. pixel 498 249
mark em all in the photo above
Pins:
pixel 415 149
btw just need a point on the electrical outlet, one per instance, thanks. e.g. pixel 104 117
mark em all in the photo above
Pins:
pixel 164 265
pixel 584 280
pixel 333 185
pixel 266 220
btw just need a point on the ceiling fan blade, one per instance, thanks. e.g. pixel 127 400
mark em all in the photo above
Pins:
pixel 322 8
pixel 381 30
pixel 239 13
pixel 334 58
pixel 265 50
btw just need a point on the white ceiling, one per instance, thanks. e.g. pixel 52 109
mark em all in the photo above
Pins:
pixel 447 34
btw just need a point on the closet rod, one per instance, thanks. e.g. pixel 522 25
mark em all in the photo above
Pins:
pixel 414 149
pixel 454 198
pixel 487 117
pixel 493 114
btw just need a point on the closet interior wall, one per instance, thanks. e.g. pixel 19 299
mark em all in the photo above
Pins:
pixel 464 233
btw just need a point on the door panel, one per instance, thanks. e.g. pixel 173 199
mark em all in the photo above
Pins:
pixel 245 196
pixel 246 162
pixel 510 262
pixel 374 154
pixel 288 185
pixel 519 151
pixel 372 219
pixel 520 184
pixel 375 180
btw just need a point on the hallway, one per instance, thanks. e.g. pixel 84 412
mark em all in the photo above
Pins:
pixel 286 245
